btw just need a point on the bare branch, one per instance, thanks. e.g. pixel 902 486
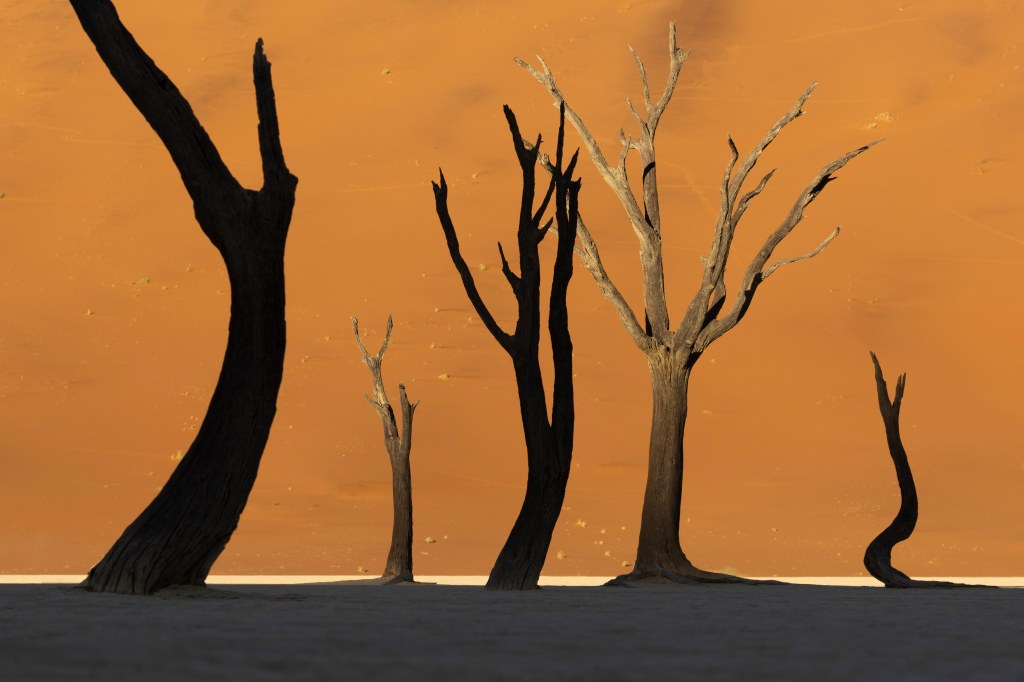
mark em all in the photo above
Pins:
pixel 275 171
pixel 543 230
pixel 203 171
pixel 512 278
pixel 755 274
pixel 612 176
pixel 677 58
pixel 741 206
pixel 586 250
pixel 627 144
pixel 407 413
pixel 643 78
pixel 751 160
pixel 441 205
pixel 379 402
pixel 810 254
pixel 637 117
pixel 591 259
pixel 712 287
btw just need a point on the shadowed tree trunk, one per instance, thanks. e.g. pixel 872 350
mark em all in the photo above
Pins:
pixel 672 353
pixel 181 533
pixel 548 440
pixel 399 566
pixel 878 557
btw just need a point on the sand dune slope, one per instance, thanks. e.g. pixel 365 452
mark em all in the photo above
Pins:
pixel 114 306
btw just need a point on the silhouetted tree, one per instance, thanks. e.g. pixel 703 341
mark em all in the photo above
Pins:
pixel 878 557
pixel 672 354
pixel 181 533
pixel 399 566
pixel 548 440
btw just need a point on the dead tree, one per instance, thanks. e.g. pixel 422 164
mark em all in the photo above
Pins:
pixel 181 533
pixel 878 557
pixel 672 353
pixel 548 440
pixel 399 566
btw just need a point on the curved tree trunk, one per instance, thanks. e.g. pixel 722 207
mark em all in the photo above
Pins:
pixel 878 557
pixel 548 440
pixel 181 533
pixel 521 559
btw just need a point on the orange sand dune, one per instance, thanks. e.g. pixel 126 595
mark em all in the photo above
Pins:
pixel 114 305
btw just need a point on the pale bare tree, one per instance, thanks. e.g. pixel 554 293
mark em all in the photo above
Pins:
pixel 672 352
pixel 399 445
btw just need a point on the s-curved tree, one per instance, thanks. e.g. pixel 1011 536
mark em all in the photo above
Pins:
pixel 177 538
pixel 878 556
pixel 671 353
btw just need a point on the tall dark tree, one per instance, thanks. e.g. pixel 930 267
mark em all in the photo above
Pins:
pixel 672 353
pixel 181 533
pixel 548 439
pixel 399 446
pixel 878 557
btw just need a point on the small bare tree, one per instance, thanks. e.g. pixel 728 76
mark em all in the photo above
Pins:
pixel 177 538
pixel 672 353
pixel 548 440
pixel 878 557
pixel 399 566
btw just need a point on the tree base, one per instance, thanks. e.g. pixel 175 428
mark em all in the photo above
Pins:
pixel 681 574
pixel 404 579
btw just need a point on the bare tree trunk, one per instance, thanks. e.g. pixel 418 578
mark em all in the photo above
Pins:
pixel 548 440
pixel 878 557
pixel 398 568
pixel 660 557
pixel 671 354
pixel 399 446
pixel 521 559
pixel 181 533
pixel 659 552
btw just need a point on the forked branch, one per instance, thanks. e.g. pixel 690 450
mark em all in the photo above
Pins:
pixel 615 177
pixel 468 283
pixel 379 402
pixel 275 172
pixel 399 446
pixel 587 251
pixel 757 271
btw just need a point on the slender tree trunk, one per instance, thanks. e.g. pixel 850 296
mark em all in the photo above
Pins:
pixel 520 561
pixel 398 568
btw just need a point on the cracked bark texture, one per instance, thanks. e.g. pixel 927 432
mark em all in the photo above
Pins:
pixel 179 536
